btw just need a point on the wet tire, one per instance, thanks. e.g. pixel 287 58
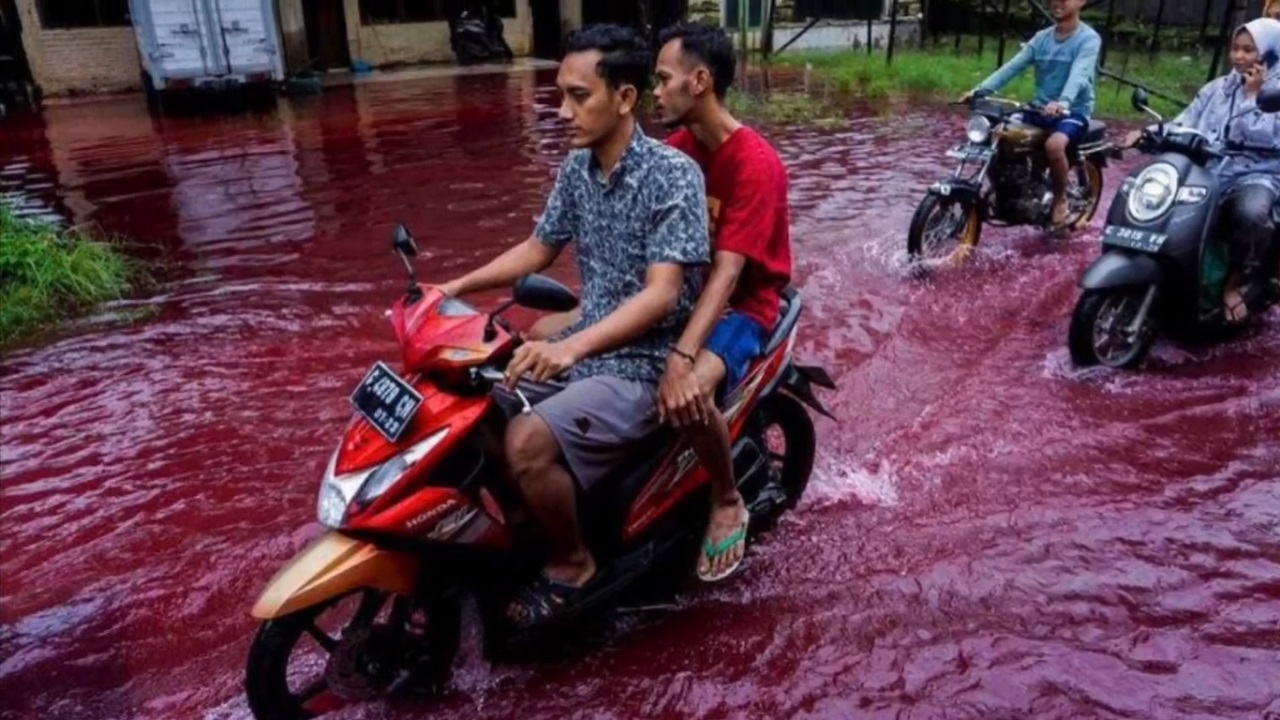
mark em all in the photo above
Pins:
pixel 964 236
pixel 1095 312
pixel 1093 183
pixel 800 447
pixel 266 683
pixel 267 669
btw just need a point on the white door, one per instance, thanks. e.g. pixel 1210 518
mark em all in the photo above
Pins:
pixel 246 34
pixel 179 29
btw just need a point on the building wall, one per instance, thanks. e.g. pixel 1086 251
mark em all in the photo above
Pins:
pixel 78 60
pixel 405 43
pixel 845 35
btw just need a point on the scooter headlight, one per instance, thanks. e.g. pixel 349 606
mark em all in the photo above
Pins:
pixel 1154 192
pixel 390 471
pixel 978 130
pixel 338 492
pixel 331 507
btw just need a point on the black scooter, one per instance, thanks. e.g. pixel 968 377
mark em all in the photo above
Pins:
pixel 475 35
pixel 1163 264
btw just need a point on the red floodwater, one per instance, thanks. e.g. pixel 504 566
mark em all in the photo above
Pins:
pixel 989 533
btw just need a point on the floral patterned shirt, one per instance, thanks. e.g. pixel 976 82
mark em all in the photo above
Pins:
pixel 651 209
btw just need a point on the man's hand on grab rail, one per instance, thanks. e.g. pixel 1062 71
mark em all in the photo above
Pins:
pixel 680 399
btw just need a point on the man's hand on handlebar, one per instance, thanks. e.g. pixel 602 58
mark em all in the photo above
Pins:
pixel 1054 109
pixel 450 289
pixel 540 360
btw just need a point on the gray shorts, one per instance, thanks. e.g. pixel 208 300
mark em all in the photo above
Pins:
pixel 596 421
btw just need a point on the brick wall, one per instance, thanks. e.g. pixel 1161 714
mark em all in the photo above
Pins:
pixel 79 60
pixel 393 44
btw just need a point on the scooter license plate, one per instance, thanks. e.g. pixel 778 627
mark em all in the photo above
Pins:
pixel 385 401
pixel 1133 238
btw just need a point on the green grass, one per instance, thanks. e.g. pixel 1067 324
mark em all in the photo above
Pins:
pixel 48 275
pixel 942 73
pixel 785 108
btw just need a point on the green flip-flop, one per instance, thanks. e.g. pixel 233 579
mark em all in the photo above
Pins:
pixel 711 551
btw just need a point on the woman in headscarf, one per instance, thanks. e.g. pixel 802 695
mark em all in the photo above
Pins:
pixel 1251 181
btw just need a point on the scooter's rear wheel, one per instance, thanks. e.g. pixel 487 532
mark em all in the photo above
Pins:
pixel 787 438
pixel 362 652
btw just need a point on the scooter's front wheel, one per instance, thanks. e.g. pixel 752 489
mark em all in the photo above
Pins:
pixel 353 648
pixel 1103 328
pixel 943 231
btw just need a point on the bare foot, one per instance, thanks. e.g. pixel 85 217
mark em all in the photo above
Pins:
pixel 1233 306
pixel 726 540
pixel 1059 212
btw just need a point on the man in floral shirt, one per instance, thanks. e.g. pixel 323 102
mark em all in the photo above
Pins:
pixel 635 212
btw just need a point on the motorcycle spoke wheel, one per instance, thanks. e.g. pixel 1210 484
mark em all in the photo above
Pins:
pixel 1084 192
pixel 944 232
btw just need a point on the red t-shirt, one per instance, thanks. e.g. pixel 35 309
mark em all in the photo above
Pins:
pixel 748 211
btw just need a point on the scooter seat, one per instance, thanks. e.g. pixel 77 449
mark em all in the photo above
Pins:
pixel 1097 132
pixel 788 314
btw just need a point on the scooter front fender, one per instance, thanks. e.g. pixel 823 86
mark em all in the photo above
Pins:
pixel 330 566
pixel 1114 269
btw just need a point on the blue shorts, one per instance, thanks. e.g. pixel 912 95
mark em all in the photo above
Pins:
pixel 736 340
pixel 1073 126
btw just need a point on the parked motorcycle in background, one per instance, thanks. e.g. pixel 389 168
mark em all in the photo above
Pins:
pixel 1002 180
pixel 1164 259
pixel 475 35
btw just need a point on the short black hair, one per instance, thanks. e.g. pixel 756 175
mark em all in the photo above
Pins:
pixel 627 58
pixel 709 45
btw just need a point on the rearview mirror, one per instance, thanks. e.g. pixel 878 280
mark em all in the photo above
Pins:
pixel 1141 100
pixel 542 293
pixel 1269 100
pixel 403 242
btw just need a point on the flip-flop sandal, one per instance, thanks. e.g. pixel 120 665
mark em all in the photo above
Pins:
pixel 711 551
pixel 542 601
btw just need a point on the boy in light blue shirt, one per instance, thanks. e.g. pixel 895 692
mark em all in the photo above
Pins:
pixel 1065 58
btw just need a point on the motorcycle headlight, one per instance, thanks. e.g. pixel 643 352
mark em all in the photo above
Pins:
pixel 331 506
pixel 978 130
pixel 338 492
pixel 1154 192
pixel 390 471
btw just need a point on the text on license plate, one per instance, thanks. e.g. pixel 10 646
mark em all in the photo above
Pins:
pixel 385 401
pixel 1133 238
pixel 977 153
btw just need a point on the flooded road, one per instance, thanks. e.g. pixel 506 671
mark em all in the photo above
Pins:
pixel 989 533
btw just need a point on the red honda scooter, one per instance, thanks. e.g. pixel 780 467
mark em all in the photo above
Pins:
pixel 421 514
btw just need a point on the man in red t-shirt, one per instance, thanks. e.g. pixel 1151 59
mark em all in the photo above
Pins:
pixel 751 264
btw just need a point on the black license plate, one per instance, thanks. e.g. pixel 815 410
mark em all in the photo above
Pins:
pixel 1133 238
pixel 386 401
